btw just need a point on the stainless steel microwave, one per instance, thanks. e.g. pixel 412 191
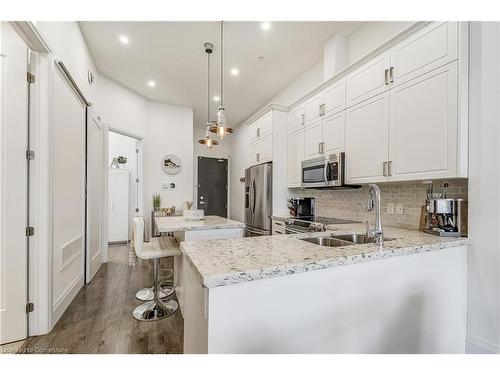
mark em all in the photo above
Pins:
pixel 324 172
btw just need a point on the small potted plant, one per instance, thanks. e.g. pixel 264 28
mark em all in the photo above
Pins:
pixel 121 160
pixel 156 201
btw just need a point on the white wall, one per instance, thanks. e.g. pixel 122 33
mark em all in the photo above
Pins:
pixel 484 186
pixel 120 107
pixel 370 35
pixel 121 145
pixel 170 132
pixel 67 43
pixel 239 162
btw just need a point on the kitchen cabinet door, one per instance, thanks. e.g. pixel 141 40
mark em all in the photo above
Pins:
pixel 333 133
pixel 366 142
pixel 265 149
pixel 334 98
pixel 433 46
pixel 265 125
pixel 423 131
pixel 313 137
pixel 296 118
pixel 295 155
pixel 312 108
pixel 368 80
pixel 253 153
pixel 252 131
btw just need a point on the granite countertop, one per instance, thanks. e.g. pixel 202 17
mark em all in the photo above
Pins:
pixel 180 224
pixel 231 261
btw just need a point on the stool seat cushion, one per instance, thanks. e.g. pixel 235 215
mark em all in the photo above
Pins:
pixel 159 247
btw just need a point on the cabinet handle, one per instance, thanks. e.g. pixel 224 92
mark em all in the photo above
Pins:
pixel 323 109
pixel 384 169
pixel 390 168
pixel 319 109
pixel 391 74
pixel 386 76
pixel 258 132
pixel 258 156
pixel 319 148
pixel 303 119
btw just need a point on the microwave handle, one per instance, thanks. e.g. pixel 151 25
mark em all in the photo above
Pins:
pixel 325 177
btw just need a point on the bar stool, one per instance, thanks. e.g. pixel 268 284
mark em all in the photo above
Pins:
pixel 157 248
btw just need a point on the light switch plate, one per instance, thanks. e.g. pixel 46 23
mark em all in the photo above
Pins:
pixel 165 185
pixel 390 208
pixel 399 209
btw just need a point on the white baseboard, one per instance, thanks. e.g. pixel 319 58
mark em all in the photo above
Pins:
pixel 477 345
pixel 62 303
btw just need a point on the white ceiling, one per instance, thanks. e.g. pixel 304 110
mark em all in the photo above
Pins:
pixel 172 54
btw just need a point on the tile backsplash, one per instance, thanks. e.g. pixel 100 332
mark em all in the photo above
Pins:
pixel 351 204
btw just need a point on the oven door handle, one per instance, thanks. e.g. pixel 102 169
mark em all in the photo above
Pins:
pixel 324 172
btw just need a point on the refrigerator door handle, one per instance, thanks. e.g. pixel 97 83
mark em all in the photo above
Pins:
pixel 254 188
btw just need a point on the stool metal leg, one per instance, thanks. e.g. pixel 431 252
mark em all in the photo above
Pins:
pixel 156 309
pixel 167 288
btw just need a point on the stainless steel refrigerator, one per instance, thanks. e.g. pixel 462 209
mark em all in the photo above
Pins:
pixel 258 200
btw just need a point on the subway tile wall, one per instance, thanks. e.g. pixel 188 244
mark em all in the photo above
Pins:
pixel 351 204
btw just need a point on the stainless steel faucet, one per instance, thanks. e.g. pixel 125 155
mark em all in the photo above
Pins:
pixel 373 203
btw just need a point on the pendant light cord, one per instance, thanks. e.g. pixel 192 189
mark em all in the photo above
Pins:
pixel 208 89
pixel 221 64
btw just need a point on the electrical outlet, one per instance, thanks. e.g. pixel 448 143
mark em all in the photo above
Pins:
pixel 390 208
pixel 399 209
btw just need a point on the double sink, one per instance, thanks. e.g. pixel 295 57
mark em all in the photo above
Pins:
pixel 342 240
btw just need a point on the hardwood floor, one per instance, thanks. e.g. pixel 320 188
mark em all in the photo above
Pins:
pixel 99 320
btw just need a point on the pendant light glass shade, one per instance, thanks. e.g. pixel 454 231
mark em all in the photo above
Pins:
pixel 221 128
pixel 207 140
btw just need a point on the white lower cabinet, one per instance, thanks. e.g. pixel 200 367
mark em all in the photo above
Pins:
pixel 423 126
pixel 313 138
pixel 295 149
pixel 366 129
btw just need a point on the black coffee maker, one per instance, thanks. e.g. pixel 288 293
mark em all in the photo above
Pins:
pixel 302 207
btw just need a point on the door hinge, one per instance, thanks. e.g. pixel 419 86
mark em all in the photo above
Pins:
pixel 30 231
pixel 30 155
pixel 30 307
pixel 30 77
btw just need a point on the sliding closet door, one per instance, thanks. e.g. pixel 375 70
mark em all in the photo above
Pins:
pixel 68 171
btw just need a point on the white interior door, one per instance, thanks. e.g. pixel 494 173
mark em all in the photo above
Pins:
pixel 95 199
pixel 13 186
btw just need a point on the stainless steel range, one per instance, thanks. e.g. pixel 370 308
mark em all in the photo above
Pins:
pixel 312 224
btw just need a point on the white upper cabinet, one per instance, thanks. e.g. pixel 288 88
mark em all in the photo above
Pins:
pixel 295 149
pixel 369 79
pixel 433 46
pixel 296 118
pixel 313 140
pixel 334 98
pixel 312 108
pixel 262 127
pixel 423 126
pixel 333 133
pixel 367 127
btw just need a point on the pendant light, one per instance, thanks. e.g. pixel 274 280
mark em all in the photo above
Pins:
pixel 221 127
pixel 208 141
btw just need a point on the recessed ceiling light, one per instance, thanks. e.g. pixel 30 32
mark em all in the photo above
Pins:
pixel 151 83
pixel 265 25
pixel 123 39
pixel 235 72
pixel 216 98
pixel 260 58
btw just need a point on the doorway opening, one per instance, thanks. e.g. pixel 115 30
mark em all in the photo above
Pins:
pixel 124 184
pixel 212 186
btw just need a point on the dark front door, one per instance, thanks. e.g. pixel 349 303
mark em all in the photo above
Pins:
pixel 212 186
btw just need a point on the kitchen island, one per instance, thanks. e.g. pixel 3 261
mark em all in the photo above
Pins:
pixel 280 294
pixel 209 228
